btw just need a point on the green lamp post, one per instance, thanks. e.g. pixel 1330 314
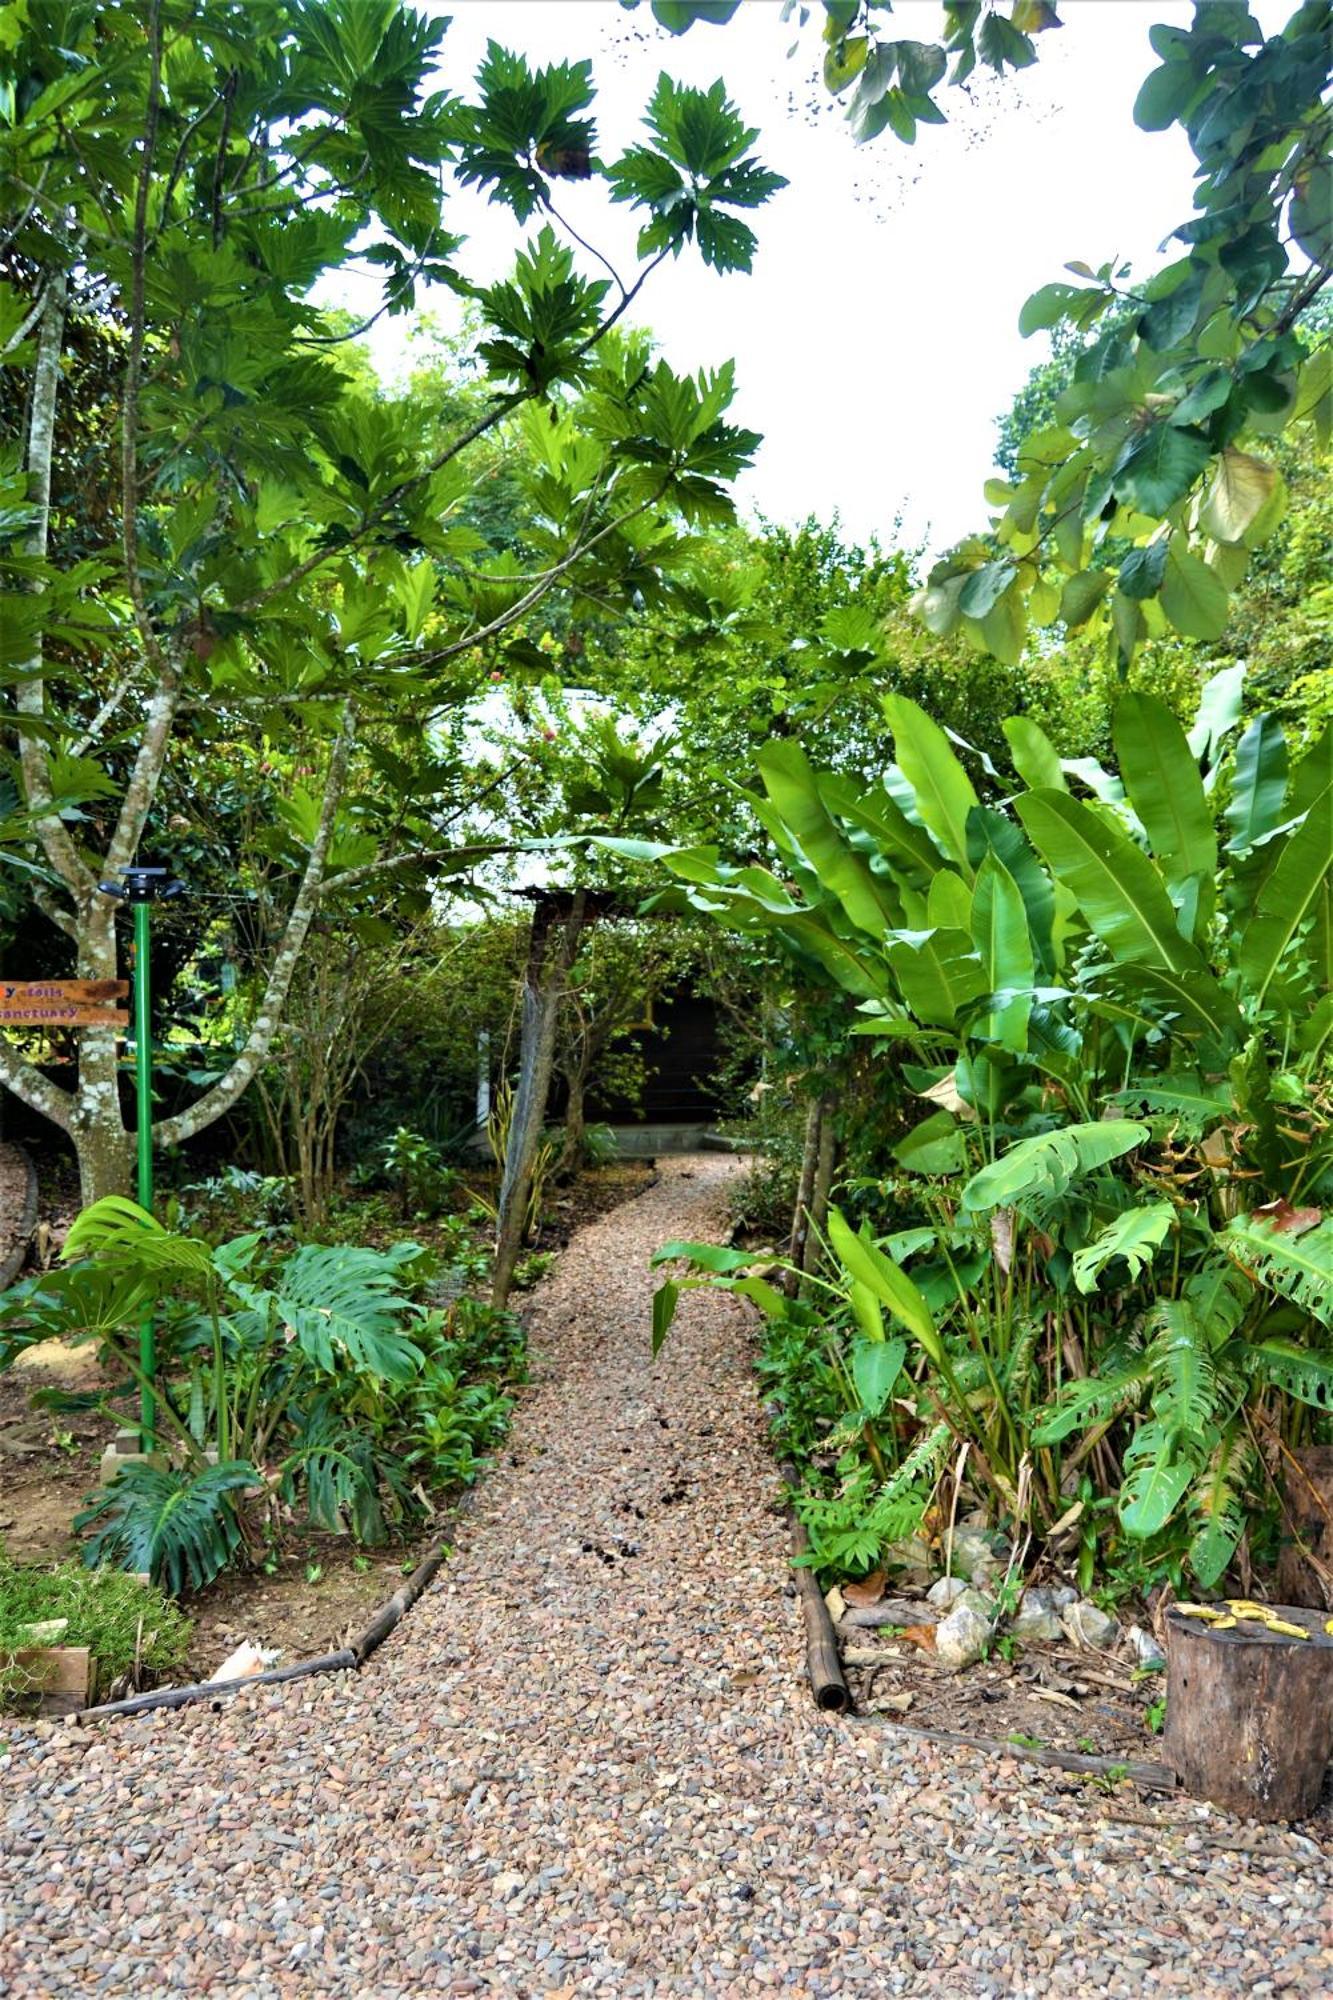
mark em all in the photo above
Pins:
pixel 142 888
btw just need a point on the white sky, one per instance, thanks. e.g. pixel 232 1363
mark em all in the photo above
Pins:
pixel 877 338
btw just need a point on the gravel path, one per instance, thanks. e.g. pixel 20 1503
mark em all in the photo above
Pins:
pixel 588 1763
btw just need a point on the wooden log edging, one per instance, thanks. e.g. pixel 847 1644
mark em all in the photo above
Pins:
pixel 348 1659
pixel 1147 1774
pixel 822 1659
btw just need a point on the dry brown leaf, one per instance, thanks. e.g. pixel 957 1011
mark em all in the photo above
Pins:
pixel 1290 1221
pixel 868 1591
pixel 920 1635
pixel 1002 1238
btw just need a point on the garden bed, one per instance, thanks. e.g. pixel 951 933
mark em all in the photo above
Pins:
pixel 1048 1698
pixel 315 1587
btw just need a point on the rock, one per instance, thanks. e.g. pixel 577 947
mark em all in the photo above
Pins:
pixel 836 1602
pixel 960 1639
pixel 974 1551
pixel 911 1556
pixel 976 1599
pixel 1087 1626
pixel 1036 1617
pixel 1063 1597
pixel 1146 1648
pixel 46 1632
pixel 945 1591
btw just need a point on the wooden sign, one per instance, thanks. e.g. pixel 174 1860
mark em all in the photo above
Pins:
pixel 62 1003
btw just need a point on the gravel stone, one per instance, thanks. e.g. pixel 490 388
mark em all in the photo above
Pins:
pixel 676 1827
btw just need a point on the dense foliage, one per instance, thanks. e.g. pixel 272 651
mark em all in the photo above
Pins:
pixel 315 1383
pixel 1112 989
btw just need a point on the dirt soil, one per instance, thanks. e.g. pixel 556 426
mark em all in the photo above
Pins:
pixel 1049 1697
pixel 320 1587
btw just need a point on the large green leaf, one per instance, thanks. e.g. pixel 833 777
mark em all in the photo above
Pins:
pixel 1036 759
pixel 862 1260
pixel 342 1306
pixel 1046 1165
pixel 876 1366
pixel 938 973
pixel 1289 897
pixel 1135 1235
pixel 1298 1264
pixel 992 832
pixel 179 1528
pixel 944 792
pixel 1295 1370
pixel 127 1236
pixel 1118 1385
pixel 907 847
pixel 1120 892
pixel 1164 787
pixel 1000 933
pixel 1193 595
pixel 1160 466
pixel 794 790
pixel 1218 711
pixel 1258 783
pixel 1154 1489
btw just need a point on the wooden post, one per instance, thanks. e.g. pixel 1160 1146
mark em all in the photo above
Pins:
pixel 1249 1711
pixel 805 1188
pixel 543 985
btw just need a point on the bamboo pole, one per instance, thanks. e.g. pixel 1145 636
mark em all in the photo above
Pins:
pixel 822 1660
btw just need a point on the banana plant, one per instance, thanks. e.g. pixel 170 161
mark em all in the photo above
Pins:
pixel 1110 992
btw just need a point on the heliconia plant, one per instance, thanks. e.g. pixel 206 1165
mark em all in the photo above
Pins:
pixel 1109 992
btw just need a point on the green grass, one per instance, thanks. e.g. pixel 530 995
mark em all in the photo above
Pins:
pixel 104 1609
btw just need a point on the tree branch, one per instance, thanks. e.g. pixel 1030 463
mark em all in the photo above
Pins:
pixel 35 1090
pixel 540 589
pixel 213 1104
pixel 29 699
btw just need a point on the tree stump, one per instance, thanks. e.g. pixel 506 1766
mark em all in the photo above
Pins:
pixel 1249 1712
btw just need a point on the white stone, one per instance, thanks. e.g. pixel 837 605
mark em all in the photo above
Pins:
pixel 945 1591
pixel 1087 1626
pixel 961 1637
pixel 1146 1648
pixel 1036 1617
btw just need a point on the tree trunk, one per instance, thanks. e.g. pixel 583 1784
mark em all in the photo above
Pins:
pixel 543 984
pixel 1305 1565
pixel 97 1126
pixel 576 1124
pixel 824 1164
pixel 1249 1712
pixel 805 1191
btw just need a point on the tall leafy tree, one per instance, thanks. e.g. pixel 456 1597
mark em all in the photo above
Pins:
pixel 1161 446
pixel 271 545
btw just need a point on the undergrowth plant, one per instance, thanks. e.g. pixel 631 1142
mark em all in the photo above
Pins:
pixel 316 1384
pixel 1106 1232
pixel 122 1623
